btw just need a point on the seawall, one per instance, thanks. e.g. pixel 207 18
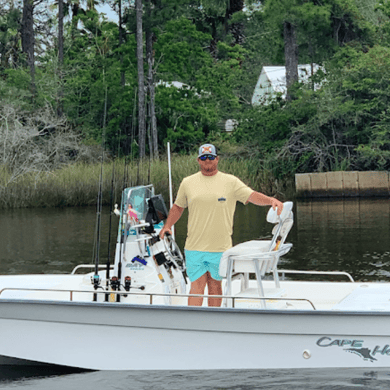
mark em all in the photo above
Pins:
pixel 343 184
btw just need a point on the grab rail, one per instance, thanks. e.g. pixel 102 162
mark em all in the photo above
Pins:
pixel 89 266
pixel 151 295
pixel 287 271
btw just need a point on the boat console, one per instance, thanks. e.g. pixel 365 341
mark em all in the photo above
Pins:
pixel 151 264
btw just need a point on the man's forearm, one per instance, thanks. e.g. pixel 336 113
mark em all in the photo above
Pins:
pixel 174 215
pixel 260 199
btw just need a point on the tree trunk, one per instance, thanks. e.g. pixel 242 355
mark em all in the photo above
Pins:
pixel 152 111
pixel 123 81
pixel 291 56
pixel 60 54
pixel 75 11
pixel 28 38
pixel 236 29
pixel 141 83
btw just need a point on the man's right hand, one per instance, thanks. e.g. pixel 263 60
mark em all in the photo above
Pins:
pixel 165 230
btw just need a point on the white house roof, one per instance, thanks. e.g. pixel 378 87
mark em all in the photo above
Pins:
pixel 176 84
pixel 272 80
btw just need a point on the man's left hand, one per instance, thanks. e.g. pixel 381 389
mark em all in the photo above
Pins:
pixel 277 203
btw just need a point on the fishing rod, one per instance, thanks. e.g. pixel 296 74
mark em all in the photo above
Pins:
pixel 123 231
pixel 96 277
pixel 109 230
pixel 170 184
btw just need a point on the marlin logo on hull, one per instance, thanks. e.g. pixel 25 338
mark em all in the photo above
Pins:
pixel 364 353
pixel 356 347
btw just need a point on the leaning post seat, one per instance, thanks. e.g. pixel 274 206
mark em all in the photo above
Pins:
pixel 259 257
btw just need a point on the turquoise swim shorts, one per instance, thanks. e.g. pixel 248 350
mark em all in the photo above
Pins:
pixel 198 263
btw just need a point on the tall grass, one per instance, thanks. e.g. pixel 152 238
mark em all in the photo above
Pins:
pixel 78 184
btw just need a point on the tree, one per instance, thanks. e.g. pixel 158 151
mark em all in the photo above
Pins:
pixel 222 19
pixel 290 55
pixel 150 37
pixel 9 37
pixel 236 28
pixel 141 82
pixel 35 142
pixel 28 40
pixel 287 15
pixel 60 53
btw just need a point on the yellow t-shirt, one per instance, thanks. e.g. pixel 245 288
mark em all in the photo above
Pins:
pixel 211 202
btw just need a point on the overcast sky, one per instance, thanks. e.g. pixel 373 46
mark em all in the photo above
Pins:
pixel 106 9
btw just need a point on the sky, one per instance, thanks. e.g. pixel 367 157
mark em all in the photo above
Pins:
pixel 106 9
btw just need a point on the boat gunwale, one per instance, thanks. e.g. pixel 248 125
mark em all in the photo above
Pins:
pixel 112 305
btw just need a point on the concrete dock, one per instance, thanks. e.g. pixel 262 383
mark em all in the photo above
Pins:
pixel 343 184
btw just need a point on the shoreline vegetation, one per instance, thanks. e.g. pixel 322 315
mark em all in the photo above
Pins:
pixel 77 184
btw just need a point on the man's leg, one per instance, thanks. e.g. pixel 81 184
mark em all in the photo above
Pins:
pixel 197 287
pixel 214 288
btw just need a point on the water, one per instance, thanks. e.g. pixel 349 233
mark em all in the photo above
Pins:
pixel 338 379
pixel 346 235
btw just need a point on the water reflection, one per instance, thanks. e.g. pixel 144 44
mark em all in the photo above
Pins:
pixel 51 240
pixel 346 235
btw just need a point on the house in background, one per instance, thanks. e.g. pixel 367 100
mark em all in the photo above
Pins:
pixel 272 81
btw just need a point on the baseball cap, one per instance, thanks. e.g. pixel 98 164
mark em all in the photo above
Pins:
pixel 207 149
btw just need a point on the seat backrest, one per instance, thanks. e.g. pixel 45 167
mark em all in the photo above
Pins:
pixel 283 224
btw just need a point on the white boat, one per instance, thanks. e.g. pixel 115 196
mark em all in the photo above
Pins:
pixel 135 316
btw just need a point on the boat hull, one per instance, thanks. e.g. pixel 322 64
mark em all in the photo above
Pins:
pixel 111 336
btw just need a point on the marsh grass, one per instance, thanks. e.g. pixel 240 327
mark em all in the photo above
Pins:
pixel 78 184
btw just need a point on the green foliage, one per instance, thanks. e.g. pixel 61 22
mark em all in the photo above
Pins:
pixel 345 125
pixel 16 88
pixel 10 37
pixel 181 53
pixel 186 115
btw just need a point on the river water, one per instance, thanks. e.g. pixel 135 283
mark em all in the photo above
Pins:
pixel 350 235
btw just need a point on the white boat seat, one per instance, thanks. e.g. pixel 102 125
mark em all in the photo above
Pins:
pixel 259 256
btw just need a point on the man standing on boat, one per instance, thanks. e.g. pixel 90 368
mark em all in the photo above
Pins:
pixel 211 197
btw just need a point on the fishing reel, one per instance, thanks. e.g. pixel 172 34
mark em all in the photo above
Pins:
pixel 115 283
pixel 95 280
